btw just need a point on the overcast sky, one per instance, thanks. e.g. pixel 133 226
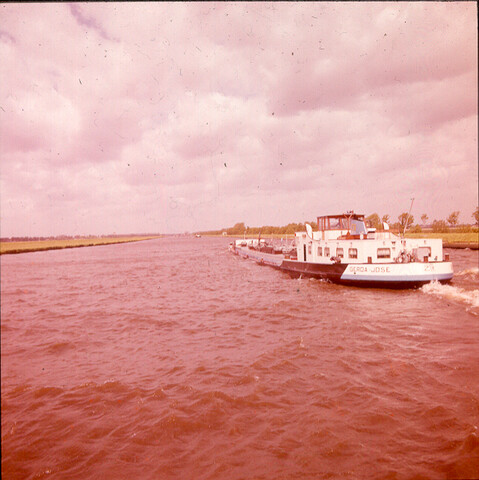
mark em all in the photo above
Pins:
pixel 174 117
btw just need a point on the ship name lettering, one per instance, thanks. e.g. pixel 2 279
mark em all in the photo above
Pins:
pixel 380 269
pixel 364 269
pixel 359 269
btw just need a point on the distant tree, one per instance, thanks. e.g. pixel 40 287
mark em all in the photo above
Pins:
pixel 395 226
pixel 465 229
pixel 374 221
pixel 439 226
pixel 405 221
pixel 290 229
pixel 475 215
pixel 386 218
pixel 424 218
pixel 453 218
pixel 238 229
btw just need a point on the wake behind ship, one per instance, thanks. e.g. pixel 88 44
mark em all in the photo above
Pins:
pixel 344 251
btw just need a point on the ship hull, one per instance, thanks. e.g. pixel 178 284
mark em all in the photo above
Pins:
pixel 379 275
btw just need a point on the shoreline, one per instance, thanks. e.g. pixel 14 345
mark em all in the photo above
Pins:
pixel 14 248
pixel 446 244
pixel 463 245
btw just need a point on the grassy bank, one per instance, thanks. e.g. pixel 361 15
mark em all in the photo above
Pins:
pixel 39 245
pixel 471 238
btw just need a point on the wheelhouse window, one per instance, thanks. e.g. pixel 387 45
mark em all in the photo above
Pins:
pixel 352 222
pixel 353 253
pixel 320 251
pixel 335 223
pixel 340 252
pixel 384 253
pixel 326 251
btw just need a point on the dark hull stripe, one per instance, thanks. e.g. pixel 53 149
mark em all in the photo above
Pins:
pixel 331 272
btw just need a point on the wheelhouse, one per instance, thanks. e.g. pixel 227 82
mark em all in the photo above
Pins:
pixel 345 226
pixel 351 222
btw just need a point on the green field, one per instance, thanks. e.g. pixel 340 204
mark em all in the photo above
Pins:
pixel 471 237
pixel 39 245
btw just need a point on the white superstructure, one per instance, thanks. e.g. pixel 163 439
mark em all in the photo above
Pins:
pixel 344 250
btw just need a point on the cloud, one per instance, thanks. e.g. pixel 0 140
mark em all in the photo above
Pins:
pixel 86 20
pixel 171 117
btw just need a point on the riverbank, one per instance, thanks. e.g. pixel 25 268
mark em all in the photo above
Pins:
pixel 472 246
pixel 449 239
pixel 452 239
pixel 42 245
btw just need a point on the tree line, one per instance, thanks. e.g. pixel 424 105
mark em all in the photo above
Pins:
pixel 241 229
pixel 404 220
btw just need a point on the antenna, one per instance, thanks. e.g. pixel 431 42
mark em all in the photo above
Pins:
pixel 349 215
pixel 407 218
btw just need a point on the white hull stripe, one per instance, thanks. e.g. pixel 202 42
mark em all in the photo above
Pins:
pixel 398 278
pixel 399 272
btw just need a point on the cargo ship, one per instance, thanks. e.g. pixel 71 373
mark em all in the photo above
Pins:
pixel 345 251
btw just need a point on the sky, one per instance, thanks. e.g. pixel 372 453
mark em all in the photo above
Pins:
pixel 183 117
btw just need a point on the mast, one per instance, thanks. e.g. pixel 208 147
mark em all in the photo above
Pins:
pixel 407 218
pixel 349 215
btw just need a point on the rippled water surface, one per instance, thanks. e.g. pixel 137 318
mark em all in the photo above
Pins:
pixel 174 359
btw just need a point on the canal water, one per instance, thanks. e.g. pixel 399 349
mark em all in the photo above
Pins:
pixel 174 359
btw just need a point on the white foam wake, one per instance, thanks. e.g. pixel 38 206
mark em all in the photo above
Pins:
pixel 470 297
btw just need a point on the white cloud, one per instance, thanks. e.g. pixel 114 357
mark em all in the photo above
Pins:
pixel 172 117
